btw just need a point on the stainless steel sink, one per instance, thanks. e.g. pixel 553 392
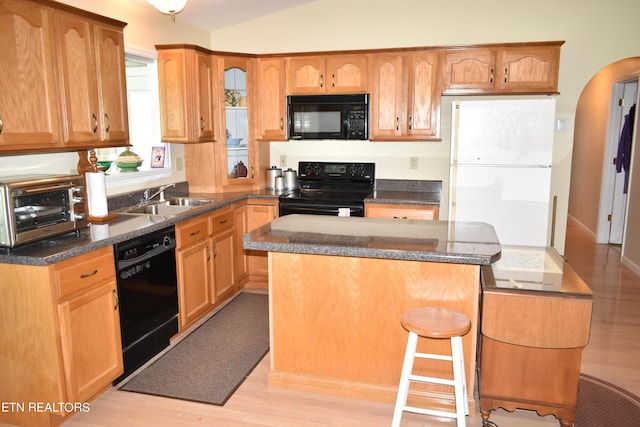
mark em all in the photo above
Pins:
pixel 170 207
pixel 187 201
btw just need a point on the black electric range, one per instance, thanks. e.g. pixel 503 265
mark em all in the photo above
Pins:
pixel 330 188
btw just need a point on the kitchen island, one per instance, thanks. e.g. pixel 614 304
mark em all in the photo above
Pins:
pixel 339 286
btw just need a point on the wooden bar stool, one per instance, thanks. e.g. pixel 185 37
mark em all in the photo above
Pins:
pixel 438 323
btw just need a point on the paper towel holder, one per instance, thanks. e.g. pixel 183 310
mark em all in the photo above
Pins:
pixel 93 167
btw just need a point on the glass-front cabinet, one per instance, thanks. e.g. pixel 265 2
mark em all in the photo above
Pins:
pixel 237 122
pixel 237 152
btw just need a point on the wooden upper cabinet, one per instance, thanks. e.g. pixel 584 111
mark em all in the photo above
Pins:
pixel 112 83
pixel 272 107
pixel 205 86
pixel 405 96
pixel 347 74
pixel 423 119
pixel 531 68
pixel 91 73
pixel 29 100
pixel 327 74
pixel 77 79
pixel 386 71
pixel 187 82
pixel 470 71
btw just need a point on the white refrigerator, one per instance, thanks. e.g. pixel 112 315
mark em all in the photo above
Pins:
pixel 500 171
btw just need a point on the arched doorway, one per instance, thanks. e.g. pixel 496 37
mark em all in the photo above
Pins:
pixel 597 127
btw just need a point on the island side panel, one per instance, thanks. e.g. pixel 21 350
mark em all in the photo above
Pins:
pixel 335 323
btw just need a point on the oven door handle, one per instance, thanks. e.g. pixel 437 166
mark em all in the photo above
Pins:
pixel 146 256
pixel 315 209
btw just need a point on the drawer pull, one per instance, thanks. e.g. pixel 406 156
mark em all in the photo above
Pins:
pixel 224 221
pixel 195 233
pixel 115 294
pixel 84 276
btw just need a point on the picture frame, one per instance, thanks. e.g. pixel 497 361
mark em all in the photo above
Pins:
pixel 157 157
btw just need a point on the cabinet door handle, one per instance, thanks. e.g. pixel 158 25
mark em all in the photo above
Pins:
pixel 215 250
pixel 399 217
pixel 107 120
pixel 87 275
pixel 115 294
pixel 333 80
pixel 410 122
pixel 281 124
pixel 397 123
pixel 201 124
pixel 505 74
pixel 491 76
pixel 208 254
pixel 251 172
pixel 321 80
pixel 95 122
pixel 2 123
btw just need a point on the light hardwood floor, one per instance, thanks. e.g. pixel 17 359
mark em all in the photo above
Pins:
pixel 611 355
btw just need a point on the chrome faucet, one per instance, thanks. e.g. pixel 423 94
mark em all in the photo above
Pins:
pixel 147 197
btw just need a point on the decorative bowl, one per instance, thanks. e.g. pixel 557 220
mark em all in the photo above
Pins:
pixel 233 142
pixel 106 164
pixel 128 161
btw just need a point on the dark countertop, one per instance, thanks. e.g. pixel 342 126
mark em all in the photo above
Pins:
pixel 128 226
pixel 404 198
pixel 406 192
pixel 416 240
pixel 124 227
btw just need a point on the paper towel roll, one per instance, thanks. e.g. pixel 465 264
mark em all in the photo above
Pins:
pixel 97 194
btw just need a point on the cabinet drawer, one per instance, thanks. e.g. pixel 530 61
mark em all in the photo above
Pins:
pixel 402 212
pixel 83 272
pixel 222 222
pixel 191 231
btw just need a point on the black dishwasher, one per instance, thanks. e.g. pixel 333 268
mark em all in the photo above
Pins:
pixel 148 296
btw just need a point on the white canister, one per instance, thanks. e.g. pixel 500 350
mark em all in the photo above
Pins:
pixel 272 174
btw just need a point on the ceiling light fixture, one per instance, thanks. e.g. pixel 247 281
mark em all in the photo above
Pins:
pixel 169 7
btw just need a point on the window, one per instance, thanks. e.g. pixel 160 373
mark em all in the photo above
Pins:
pixel 144 119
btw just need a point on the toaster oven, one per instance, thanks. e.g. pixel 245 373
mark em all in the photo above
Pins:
pixel 35 207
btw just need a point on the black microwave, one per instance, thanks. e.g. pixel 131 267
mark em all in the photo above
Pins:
pixel 328 116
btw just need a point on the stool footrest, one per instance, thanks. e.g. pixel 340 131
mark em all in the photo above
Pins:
pixel 429 412
pixel 432 380
pixel 433 356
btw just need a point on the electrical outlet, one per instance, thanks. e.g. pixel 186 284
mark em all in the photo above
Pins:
pixel 179 163
pixel 283 161
pixel 413 163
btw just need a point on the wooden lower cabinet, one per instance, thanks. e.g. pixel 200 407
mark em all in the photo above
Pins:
pixel 531 349
pixel 204 264
pixel 400 211
pixel 258 262
pixel 222 251
pixel 60 329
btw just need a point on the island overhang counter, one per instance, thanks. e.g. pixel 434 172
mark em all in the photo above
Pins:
pixel 338 287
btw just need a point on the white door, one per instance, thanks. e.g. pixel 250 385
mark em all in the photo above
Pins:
pixel 616 229
pixel 514 200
